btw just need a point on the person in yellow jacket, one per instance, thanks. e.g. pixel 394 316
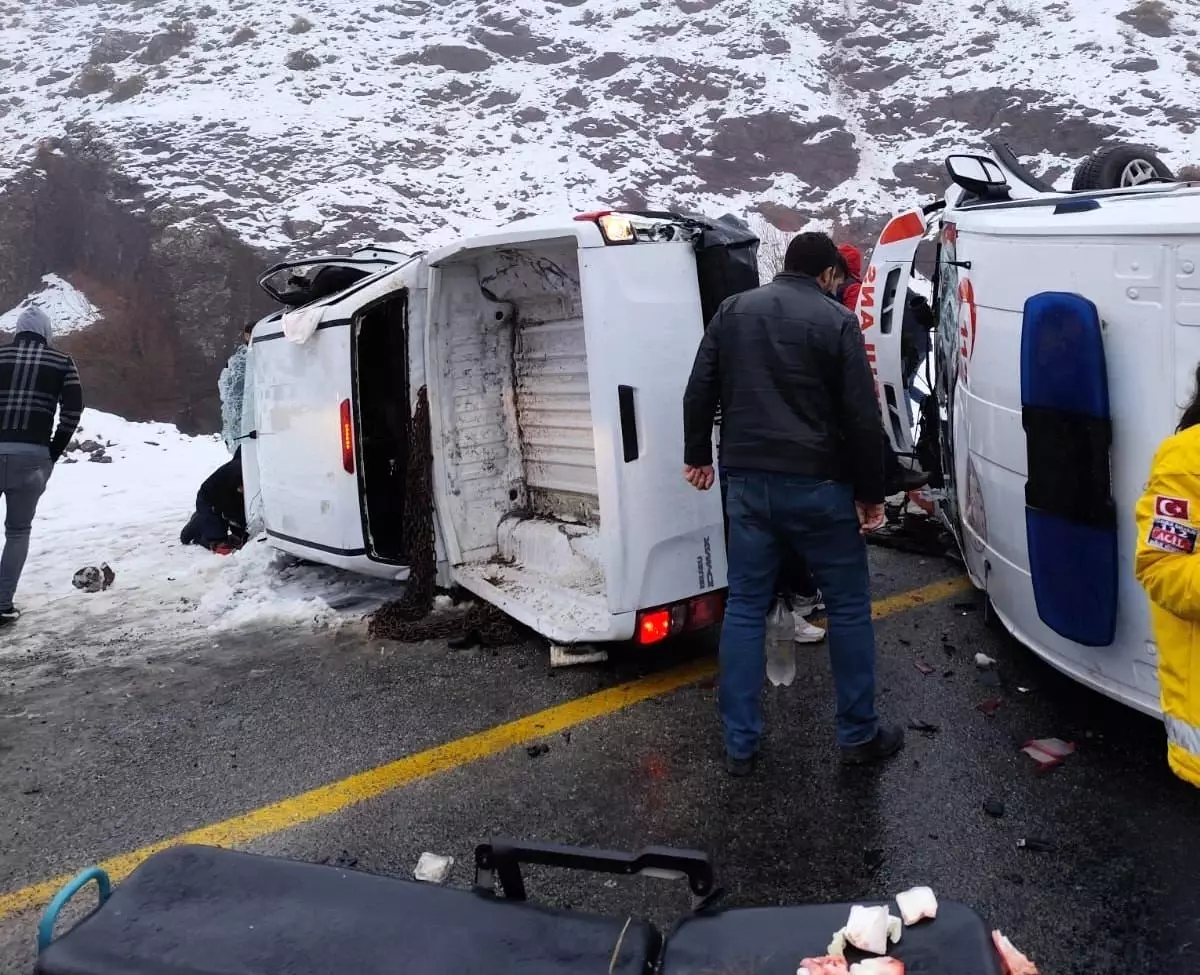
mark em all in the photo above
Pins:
pixel 1168 567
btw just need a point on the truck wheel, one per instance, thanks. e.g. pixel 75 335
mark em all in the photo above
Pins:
pixel 1114 167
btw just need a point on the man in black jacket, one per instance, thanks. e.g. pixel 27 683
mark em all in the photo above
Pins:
pixel 802 449
pixel 36 382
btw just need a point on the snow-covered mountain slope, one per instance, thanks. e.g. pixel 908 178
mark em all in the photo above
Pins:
pixel 333 120
pixel 69 308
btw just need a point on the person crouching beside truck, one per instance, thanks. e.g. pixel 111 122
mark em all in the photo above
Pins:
pixel 219 522
pixel 1168 567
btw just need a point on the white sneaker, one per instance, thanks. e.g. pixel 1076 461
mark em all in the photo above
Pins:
pixel 805 606
pixel 806 632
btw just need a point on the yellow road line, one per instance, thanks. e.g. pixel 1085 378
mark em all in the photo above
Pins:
pixel 336 796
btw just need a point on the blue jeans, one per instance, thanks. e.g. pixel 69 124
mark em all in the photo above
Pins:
pixel 768 512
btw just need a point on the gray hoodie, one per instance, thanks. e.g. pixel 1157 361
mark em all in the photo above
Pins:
pixel 33 319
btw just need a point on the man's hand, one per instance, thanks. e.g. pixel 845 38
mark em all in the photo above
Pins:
pixel 871 517
pixel 701 478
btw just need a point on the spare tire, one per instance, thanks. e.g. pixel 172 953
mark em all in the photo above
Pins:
pixel 1114 167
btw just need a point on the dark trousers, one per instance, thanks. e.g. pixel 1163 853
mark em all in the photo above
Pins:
pixel 794 578
pixel 205 527
pixel 768 513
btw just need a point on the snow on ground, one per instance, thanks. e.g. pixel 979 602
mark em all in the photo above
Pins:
pixel 67 306
pixel 129 514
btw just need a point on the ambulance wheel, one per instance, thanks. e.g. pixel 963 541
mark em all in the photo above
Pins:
pixel 1115 167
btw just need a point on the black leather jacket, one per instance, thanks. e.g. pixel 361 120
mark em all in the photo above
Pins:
pixel 787 366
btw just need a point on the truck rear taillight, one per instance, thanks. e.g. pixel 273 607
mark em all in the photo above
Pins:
pixel 653 626
pixel 615 228
pixel 698 613
pixel 347 418
pixel 706 611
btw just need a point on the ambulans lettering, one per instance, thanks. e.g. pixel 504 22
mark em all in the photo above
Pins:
pixel 1177 508
pixel 1172 536
pixel 866 299
pixel 866 317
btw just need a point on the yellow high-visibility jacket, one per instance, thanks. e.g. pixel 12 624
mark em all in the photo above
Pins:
pixel 1168 567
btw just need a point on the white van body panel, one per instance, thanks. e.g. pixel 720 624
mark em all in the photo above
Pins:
pixel 1137 258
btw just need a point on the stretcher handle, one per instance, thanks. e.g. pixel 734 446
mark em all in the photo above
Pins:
pixel 50 915
pixel 501 860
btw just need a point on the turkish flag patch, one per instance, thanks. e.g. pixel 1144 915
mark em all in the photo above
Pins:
pixel 1176 508
pixel 1171 536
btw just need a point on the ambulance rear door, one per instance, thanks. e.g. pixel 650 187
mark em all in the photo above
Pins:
pixel 881 303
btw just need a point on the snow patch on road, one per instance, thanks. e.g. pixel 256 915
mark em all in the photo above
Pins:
pixel 68 307
pixel 129 514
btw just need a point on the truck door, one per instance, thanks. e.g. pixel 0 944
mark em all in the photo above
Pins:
pixel 309 493
pixel 881 303
pixel 663 541
pixel 308 442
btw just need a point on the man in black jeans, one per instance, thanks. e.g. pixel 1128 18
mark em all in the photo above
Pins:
pixel 802 449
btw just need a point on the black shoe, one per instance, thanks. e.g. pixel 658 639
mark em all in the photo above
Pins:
pixel 886 743
pixel 739 768
pixel 9 616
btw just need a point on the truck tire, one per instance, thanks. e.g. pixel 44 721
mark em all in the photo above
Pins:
pixel 1114 167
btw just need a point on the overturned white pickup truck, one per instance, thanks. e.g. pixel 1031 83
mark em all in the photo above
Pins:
pixel 554 355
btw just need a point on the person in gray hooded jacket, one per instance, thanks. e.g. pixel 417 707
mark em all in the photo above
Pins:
pixel 36 382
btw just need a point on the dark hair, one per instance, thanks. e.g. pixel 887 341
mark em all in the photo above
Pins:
pixel 841 266
pixel 249 328
pixel 810 254
pixel 1191 414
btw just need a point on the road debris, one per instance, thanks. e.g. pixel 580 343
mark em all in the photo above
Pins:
pixel 538 750
pixel 91 579
pixel 990 705
pixel 433 869
pixel 994 808
pixel 922 667
pixel 983 661
pixel 917 904
pixel 1013 961
pixel 574 656
pixel 1048 752
pixel 1035 845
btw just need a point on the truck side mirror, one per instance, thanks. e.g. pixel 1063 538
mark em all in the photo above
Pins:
pixel 978 175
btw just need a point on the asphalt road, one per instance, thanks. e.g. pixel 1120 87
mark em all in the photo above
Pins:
pixel 102 760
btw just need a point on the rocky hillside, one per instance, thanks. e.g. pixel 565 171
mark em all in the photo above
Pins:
pixel 156 153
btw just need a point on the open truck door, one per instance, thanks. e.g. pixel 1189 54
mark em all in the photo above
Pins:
pixel 329 451
pixel 881 304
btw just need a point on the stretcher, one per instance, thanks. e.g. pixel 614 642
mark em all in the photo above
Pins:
pixel 196 910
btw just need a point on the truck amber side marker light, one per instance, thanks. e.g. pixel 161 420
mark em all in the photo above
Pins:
pixel 347 438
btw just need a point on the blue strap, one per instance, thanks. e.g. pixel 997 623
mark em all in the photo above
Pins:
pixel 50 915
